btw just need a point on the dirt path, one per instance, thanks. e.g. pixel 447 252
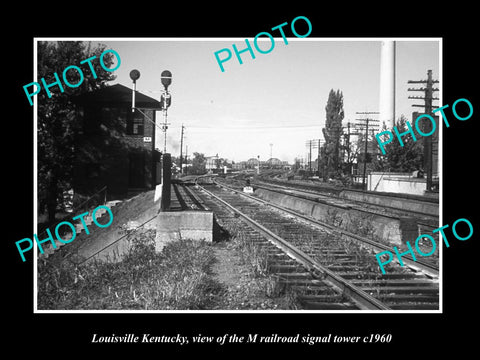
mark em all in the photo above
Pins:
pixel 227 266
pixel 242 290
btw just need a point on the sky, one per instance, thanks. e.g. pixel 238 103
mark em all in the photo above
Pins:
pixel 278 98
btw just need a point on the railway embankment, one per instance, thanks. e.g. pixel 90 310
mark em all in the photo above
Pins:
pixel 334 268
pixel 385 227
pixel 410 203
pixel 126 272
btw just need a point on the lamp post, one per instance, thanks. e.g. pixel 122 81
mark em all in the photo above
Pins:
pixel 166 100
pixel 134 75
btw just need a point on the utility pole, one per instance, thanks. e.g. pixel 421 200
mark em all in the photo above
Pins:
pixel 181 149
pixel 186 159
pixel 271 156
pixel 312 144
pixel 348 136
pixel 347 142
pixel 364 125
pixel 310 159
pixel 427 144
pixel 318 159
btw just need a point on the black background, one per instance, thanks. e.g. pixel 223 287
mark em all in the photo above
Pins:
pixel 60 335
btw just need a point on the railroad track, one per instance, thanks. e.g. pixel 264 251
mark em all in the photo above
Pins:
pixel 427 221
pixel 424 224
pixel 186 198
pixel 323 266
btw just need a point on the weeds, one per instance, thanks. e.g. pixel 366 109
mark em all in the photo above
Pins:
pixel 258 261
pixel 361 226
pixel 254 256
pixel 177 278
pixel 333 217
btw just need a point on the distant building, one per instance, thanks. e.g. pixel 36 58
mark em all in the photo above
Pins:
pixel 251 163
pixel 395 182
pixel 241 165
pixel 275 163
pixel 115 147
pixel 212 163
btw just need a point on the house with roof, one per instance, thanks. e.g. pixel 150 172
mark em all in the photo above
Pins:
pixel 115 146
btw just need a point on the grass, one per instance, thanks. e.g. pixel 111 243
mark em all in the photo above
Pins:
pixel 177 279
pixel 333 217
pixel 361 226
pixel 254 256
pixel 257 262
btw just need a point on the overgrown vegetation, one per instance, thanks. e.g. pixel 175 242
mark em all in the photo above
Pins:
pixel 177 279
pixel 58 124
pixel 257 260
pixel 333 217
pixel 254 256
pixel 362 226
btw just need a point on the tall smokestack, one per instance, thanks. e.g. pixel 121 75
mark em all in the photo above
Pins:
pixel 387 83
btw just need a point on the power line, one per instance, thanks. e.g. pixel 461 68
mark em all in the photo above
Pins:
pixel 181 148
pixel 312 144
pixel 361 126
pixel 251 127
pixel 428 98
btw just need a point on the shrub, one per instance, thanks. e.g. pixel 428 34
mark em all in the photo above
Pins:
pixel 177 278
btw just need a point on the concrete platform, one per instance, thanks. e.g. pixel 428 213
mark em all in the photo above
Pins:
pixel 142 212
pixel 181 221
pixel 177 225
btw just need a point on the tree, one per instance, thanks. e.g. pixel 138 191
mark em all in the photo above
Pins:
pixel 296 164
pixel 198 164
pixel 397 158
pixel 332 133
pixel 57 123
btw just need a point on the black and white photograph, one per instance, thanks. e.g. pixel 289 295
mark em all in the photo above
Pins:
pixel 274 194
pixel 226 180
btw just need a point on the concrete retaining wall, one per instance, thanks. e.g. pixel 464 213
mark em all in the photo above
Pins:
pixel 402 203
pixel 110 244
pixel 393 230
pixel 192 225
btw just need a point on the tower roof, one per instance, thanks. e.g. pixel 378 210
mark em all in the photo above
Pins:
pixel 117 94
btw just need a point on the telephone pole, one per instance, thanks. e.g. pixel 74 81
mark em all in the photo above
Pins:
pixel 427 144
pixel 181 149
pixel 374 124
pixel 310 160
pixel 347 136
pixel 312 144
pixel 186 159
pixel 318 158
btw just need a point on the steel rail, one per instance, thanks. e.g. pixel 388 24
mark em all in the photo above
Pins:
pixel 429 269
pixel 363 300
pixel 199 202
